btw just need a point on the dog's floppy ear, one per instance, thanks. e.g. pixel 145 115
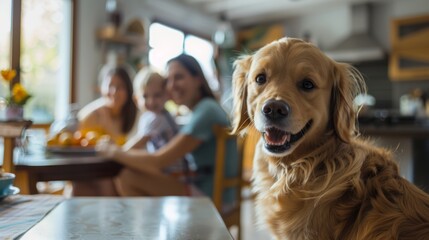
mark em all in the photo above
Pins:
pixel 348 83
pixel 241 116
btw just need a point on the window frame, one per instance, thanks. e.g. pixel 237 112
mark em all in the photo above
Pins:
pixel 15 41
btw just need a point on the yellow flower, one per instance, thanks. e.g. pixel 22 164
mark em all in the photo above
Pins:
pixel 19 94
pixel 8 74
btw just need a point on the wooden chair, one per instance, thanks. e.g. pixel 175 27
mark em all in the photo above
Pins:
pixel 10 131
pixel 230 214
pixel 249 145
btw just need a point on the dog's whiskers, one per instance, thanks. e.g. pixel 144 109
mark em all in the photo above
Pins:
pixel 247 122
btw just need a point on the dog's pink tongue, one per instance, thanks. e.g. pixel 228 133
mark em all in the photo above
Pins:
pixel 275 137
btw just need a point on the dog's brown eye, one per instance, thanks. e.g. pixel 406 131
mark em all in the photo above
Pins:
pixel 261 79
pixel 307 85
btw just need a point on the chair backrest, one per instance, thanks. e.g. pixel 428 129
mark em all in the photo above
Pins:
pixel 222 182
pixel 10 131
pixel 250 141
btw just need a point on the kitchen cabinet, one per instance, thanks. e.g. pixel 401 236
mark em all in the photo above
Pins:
pixel 409 59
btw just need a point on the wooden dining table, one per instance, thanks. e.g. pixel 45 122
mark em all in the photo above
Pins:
pixel 44 166
pixel 172 218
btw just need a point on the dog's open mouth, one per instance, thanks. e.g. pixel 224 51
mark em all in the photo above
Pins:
pixel 278 141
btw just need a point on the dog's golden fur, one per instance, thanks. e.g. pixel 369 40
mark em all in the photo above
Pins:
pixel 329 184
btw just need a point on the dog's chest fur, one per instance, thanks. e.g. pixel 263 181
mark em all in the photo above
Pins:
pixel 328 195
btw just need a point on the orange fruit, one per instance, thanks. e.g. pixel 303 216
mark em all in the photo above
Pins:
pixel 92 137
pixel 84 142
pixel 52 141
pixel 77 137
pixel 65 139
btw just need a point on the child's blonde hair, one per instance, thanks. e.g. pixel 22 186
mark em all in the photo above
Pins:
pixel 144 77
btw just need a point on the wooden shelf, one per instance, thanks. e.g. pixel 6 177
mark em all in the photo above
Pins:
pixel 410 48
pixel 121 39
pixel 128 42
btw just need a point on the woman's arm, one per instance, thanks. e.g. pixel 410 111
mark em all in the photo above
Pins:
pixel 136 142
pixel 141 160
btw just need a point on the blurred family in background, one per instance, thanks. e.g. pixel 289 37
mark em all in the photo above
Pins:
pixel 159 157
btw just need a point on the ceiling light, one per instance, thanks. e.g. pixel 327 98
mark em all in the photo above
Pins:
pixel 224 37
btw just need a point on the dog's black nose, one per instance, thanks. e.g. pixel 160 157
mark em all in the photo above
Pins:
pixel 275 109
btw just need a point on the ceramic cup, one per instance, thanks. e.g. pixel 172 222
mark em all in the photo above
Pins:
pixel 6 181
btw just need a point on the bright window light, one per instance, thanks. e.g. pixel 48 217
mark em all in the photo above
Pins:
pixel 45 58
pixel 202 50
pixel 5 24
pixel 167 42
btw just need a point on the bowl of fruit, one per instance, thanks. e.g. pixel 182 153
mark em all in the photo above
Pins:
pixel 79 141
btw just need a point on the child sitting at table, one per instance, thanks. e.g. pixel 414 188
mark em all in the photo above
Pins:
pixel 156 126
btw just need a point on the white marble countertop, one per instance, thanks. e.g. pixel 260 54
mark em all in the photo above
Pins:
pixel 132 218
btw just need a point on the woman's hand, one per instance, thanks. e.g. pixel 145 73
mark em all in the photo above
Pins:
pixel 137 159
pixel 107 148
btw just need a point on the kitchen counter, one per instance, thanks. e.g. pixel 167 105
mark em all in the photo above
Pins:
pixel 415 131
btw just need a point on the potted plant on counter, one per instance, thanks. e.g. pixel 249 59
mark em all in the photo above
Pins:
pixel 17 97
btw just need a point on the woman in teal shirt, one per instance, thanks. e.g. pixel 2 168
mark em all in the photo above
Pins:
pixel 143 173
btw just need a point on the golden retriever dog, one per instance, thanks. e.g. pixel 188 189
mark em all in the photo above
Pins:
pixel 313 176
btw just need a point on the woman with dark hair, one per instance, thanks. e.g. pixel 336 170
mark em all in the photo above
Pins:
pixel 113 114
pixel 144 173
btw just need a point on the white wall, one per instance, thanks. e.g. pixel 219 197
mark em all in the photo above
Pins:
pixel 91 16
pixel 174 13
pixel 332 25
pixel 327 27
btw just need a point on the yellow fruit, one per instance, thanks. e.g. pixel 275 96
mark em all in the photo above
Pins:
pixel 92 137
pixel 77 137
pixel 52 141
pixel 65 139
pixel 84 142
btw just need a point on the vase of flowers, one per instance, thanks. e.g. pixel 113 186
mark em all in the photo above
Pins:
pixel 17 96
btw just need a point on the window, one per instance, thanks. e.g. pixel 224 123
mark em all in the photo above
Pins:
pixel 5 24
pixel 166 42
pixel 45 56
pixel 203 51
